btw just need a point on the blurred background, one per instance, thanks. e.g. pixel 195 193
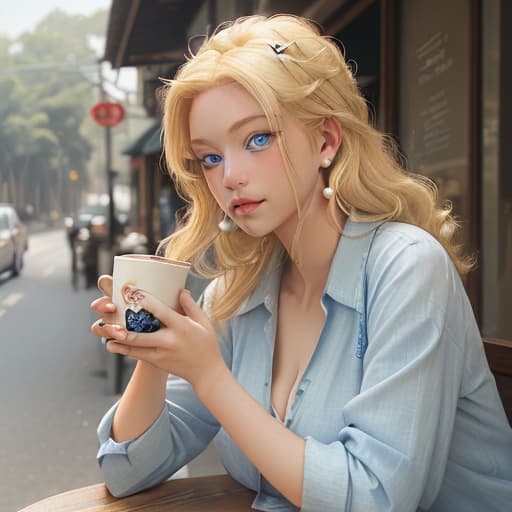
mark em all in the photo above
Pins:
pixel 82 179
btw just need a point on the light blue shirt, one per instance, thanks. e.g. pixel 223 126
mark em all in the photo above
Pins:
pixel 397 405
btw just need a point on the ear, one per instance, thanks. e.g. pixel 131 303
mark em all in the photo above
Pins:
pixel 331 135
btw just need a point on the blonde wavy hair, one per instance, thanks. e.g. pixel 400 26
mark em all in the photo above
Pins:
pixel 312 81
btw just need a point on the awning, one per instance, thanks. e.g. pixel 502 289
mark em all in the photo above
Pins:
pixel 149 31
pixel 145 32
pixel 147 143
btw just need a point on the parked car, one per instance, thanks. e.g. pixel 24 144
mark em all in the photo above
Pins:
pixel 13 240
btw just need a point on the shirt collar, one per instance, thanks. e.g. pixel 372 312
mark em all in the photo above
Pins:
pixel 345 282
pixel 345 278
pixel 267 290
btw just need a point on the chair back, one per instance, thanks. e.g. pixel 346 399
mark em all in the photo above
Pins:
pixel 499 356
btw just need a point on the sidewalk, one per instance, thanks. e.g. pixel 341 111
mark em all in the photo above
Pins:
pixel 39 226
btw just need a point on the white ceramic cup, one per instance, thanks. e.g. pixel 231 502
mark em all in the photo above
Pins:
pixel 161 277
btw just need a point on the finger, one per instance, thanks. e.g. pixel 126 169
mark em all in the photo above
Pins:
pixel 165 314
pixel 141 353
pixel 163 338
pixel 103 305
pixel 191 308
pixel 105 284
pixel 106 310
pixel 106 330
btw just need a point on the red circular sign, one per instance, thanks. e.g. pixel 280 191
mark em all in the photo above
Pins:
pixel 107 113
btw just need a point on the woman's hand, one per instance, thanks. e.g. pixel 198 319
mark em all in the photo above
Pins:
pixel 185 345
pixel 107 326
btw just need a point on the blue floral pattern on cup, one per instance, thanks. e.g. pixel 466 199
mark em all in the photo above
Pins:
pixel 142 321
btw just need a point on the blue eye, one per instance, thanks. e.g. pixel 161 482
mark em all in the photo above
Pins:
pixel 211 160
pixel 259 141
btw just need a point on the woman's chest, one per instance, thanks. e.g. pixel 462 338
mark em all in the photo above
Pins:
pixel 327 371
pixel 297 332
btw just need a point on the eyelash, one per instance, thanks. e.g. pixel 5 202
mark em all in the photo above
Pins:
pixel 270 135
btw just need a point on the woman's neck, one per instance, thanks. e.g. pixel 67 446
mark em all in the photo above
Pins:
pixel 306 271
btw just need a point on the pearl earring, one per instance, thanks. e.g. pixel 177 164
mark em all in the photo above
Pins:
pixel 327 192
pixel 226 225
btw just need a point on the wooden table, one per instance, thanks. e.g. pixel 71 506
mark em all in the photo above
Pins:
pixel 212 493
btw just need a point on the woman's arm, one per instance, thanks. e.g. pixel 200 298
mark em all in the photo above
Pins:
pixel 144 438
pixel 141 402
pixel 143 399
pixel 190 347
pixel 277 452
pixel 391 449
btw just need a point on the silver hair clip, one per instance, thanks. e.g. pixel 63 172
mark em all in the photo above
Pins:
pixel 279 48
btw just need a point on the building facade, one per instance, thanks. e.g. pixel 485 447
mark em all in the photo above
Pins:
pixel 436 76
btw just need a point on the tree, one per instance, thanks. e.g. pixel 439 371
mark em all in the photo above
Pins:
pixel 45 100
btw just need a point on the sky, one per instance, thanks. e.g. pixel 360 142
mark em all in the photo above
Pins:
pixel 17 16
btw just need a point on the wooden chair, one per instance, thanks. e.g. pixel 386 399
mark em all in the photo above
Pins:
pixel 499 356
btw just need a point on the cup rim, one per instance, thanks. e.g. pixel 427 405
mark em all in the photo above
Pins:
pixel 154 257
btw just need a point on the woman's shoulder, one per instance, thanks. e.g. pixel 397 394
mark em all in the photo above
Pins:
pixel 396 237
pixel 398 245
pixel 404 234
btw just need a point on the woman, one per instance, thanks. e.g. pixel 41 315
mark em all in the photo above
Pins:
pixel 336 359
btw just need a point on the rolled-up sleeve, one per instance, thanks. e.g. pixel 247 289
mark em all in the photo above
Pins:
pixel 397 430
pixel 182 431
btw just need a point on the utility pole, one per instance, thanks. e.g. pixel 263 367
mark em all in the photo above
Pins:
pixel 108 166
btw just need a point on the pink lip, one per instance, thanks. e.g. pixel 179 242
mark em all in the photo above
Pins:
pixel 247 208
pixel 244 205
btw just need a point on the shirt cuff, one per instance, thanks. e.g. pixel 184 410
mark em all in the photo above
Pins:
pixel 146 443
pixel 111 447
pixel 325 485
pixel 105 426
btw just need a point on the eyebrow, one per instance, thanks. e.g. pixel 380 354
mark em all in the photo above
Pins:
pixel 235 126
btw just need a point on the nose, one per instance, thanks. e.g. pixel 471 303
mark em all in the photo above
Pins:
pixel 234 173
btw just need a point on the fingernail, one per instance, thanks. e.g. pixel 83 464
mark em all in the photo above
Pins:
pixel 111 307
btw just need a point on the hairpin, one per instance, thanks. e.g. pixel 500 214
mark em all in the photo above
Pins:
pixel 279 48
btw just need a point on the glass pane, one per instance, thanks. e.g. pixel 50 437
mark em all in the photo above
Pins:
pixel 496 253
pixel 434 95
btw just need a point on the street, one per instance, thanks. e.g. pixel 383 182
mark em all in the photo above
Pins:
pixel 52 392
pixel 53 388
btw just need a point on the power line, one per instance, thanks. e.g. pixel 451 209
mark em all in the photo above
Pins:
pixel 50 67
pixel 65 68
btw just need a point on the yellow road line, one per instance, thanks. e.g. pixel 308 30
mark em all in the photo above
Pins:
pixel 11 299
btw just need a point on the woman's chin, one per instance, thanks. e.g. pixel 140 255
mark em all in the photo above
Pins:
pixel 255 231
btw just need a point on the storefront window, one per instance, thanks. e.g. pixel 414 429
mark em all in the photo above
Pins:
pixel 496 252
pixel 434 124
